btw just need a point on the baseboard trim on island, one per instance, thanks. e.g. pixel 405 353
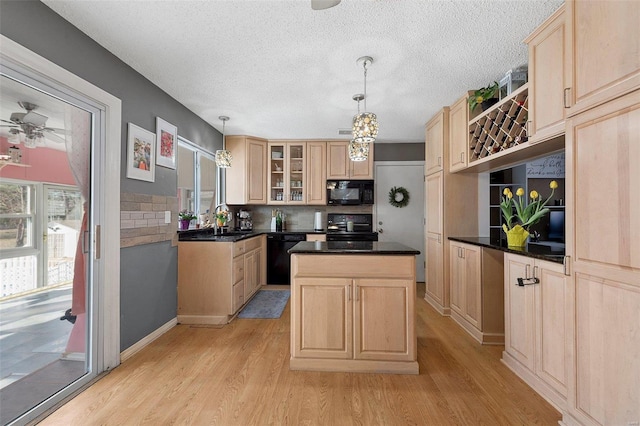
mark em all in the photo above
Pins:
pixel 354 366
pixel 140 344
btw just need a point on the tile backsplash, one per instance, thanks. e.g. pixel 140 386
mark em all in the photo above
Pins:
pixel 297 217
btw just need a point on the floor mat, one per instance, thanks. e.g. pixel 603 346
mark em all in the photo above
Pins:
pixel 266 304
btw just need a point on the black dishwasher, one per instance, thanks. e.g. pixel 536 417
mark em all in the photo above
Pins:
pixel 278 260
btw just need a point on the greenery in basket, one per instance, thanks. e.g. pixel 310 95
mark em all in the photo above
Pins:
pixel 186 215
pixel 526 215
pixel 222 216
pixel 482 95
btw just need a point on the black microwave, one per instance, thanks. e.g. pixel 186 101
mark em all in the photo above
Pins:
pixel 349 192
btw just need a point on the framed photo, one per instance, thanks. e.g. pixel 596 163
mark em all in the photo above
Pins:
pixel 141 151
pixel 166 139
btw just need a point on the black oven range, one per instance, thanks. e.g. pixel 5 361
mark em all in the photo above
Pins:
pixel 350 227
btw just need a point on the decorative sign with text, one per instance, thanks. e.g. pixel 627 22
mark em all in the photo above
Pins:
pixel 547 167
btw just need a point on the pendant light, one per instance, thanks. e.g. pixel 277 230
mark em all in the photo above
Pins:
pixel 365 125
pixel 223 157
pixel 358 151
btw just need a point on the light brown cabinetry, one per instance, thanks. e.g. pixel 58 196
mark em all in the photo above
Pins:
pixel 435 134
pixel 459 134
pixel 604 245
pixel 358 315
pixel 316 237
pixel 548 77
pixel 246 179
pixel 477 297
pixel 448 215
pixel 316 173
pixel 287 177
pixel 339 166
pixel 603 39
pixel 538 325
pixel 215 279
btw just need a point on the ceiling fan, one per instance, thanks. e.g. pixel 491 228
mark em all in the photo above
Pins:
pixel 323 4
pixel 32 125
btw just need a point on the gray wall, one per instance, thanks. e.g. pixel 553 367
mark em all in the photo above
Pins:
pixel 148 275
pixel 399 152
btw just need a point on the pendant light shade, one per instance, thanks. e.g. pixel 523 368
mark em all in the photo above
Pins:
pixel 223 157
pixel 365 124
pixel 358 151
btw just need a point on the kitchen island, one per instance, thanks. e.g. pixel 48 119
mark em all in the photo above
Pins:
pixel 353 307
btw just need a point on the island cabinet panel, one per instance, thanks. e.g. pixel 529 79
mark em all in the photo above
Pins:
pixel 323 324
pixel 383 317
pixel 353 313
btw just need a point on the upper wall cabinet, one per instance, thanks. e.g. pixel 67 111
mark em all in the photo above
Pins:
pixel 246 178
pixel 436 135
pixel 286 179
pixel 316 173
pixel 604 44
pixel 339 166
pixel 548 77
pixel 459 134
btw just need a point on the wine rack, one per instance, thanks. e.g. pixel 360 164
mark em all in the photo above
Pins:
pixel 502 127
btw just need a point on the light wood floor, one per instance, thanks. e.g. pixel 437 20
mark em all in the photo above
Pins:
pixel 239 375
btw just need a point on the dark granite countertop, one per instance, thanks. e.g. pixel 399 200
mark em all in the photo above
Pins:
pixel 536 250
pixel 208 234
pixel 352 247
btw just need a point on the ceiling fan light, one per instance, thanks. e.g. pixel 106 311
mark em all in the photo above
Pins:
pixel 14 136
pixel 223 158
pixel 365 127
pixel 358 151
pixel 30 141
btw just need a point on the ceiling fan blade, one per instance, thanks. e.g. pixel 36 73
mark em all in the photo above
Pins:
pixel 9 125
pixel 35 119
pixel 55 129
pixel 323 4
pixel 54 138
pixel 7 121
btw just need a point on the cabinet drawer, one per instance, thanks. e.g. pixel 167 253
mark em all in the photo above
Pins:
pixel 238 248
pixel 252 244
pixel 238 269
pixel 238 296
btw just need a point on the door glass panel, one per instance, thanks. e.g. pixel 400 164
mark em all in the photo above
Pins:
pixel 45 266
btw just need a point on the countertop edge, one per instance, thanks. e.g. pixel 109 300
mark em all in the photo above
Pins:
pixel 556 258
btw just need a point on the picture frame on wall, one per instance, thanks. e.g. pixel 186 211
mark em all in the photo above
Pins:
pixel 141 151
pixel 166 143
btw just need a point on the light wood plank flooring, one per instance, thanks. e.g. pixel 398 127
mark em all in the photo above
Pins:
pixel 239 375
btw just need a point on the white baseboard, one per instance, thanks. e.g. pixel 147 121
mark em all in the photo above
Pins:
pixel 140 344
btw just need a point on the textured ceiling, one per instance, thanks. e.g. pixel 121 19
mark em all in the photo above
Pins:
pixel 281 70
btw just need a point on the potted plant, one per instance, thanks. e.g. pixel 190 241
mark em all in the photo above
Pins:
pixel 222 217
pixel 185 217
pixel 485 97
pixel 517 225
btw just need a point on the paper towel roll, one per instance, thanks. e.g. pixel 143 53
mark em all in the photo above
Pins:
pixel 317 222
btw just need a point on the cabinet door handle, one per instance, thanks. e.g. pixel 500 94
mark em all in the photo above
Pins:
pixel 535 271
pixel 565 265
pixel 439 237
pixel 566 101
pixel 527 267
pixel 439 161
pixel 462 157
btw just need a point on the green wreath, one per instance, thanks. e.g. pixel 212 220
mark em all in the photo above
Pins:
pixel 398 197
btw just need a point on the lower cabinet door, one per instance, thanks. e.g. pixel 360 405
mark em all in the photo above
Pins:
pixel 381 319
pixel 456 277
pixel 519 310
pixel 322 325
pixel 237 295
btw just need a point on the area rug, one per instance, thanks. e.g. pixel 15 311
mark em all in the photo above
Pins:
pixel 266 304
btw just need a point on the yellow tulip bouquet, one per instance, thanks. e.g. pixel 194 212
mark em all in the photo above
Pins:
pixel 517 225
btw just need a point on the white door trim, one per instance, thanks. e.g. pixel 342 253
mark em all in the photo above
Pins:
pixel 108 334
